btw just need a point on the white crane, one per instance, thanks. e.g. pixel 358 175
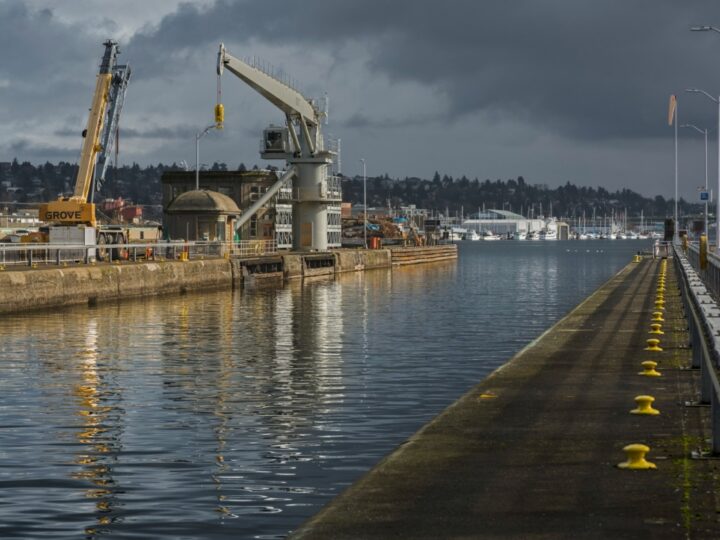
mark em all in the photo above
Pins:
pixel 300 144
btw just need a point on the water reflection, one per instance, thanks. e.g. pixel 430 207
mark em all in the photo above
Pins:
pixel 239 415
pixel 99 433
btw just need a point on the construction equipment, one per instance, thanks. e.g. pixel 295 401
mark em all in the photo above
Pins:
pixel 107 102
pixel 301 144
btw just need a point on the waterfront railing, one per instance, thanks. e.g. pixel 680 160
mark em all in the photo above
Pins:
pixel 703 316
pixel 36 254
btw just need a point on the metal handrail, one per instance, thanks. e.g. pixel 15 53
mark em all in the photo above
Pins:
pixel 33 254
pixel 703 314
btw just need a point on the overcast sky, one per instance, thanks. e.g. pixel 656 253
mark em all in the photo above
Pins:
pixel 552 90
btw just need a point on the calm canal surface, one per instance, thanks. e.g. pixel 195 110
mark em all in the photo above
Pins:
pixel 239 415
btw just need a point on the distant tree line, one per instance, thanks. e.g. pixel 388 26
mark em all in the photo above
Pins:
pixel 27 183
pixel 516 195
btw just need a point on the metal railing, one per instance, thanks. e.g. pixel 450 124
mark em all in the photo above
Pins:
pixel 703 315
pixel 252 248
pixel 711 274
pixel 13 255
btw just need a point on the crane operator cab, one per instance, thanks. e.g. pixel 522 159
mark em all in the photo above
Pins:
pixel 276 140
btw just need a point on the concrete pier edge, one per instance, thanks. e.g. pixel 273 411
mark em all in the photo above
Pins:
pixel 538 458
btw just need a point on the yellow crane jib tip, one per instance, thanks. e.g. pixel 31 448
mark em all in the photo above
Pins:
pixel 636 458
pixel 649 369
pixel 644 406
pixel 653 344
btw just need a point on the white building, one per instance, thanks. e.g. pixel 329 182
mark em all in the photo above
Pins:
pixel 503 222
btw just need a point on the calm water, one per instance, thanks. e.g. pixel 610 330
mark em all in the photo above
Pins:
pixel 239 415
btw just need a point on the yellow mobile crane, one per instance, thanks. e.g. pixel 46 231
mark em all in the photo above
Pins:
pixel 99 137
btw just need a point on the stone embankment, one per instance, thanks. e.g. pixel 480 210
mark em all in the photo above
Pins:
pixel 25 288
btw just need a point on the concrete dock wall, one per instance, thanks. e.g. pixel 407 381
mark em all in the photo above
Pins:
pixel 353 260
pixel 418 255
pixel 36 288
pixel 55 287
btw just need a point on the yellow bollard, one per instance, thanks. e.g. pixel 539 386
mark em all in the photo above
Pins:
pixel 644 406
pixel 657 316
pixel 656 329
pixel 649 369
pixel 636 458
pixel 653 345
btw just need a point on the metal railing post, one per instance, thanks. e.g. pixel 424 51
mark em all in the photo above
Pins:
pixel 715 422
pixel 695 337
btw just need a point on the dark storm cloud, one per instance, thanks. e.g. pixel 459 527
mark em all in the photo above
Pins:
pixel 183 132
pixel 40 48
pixel 33 151
pixel 359 120
pixel 578 68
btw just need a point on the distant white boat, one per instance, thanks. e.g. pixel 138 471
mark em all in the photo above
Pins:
pixel 473 235
pixel 454 233
pixel 520 236
pixel 489 235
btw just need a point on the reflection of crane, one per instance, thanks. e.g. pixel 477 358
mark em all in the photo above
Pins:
pixel 301 144
pixel 99 137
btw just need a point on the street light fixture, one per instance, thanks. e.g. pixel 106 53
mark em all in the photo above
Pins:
pixel 717 211
pixel 703 132
pixel 362 160
pixel 704 29
pixel 198 136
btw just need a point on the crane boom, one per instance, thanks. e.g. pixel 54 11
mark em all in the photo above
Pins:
pixel 91 145
pixel 301 145
pixel 76 209
pixel 287 99
pixel 116 100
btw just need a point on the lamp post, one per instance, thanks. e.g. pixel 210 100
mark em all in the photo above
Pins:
pixel 710 28
pixel 198 136
pixel 362 160
pixel 717 211
pixel 703 132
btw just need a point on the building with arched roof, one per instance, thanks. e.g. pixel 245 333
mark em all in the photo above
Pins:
pixel 201 215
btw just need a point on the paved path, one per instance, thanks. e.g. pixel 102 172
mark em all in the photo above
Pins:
pixel 531 451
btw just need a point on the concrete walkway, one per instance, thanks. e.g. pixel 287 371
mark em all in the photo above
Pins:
pixel 531 451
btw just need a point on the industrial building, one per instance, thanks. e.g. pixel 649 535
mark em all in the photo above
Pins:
pixel 274 222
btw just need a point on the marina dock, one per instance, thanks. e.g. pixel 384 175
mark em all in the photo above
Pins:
pixel 533 450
